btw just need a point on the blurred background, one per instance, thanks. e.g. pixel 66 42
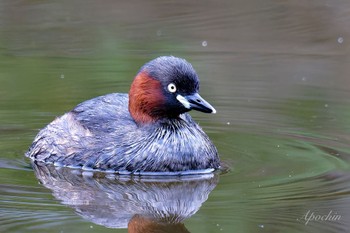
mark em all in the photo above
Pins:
pixel 276 71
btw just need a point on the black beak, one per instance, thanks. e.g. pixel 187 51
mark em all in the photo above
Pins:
pixel 199 104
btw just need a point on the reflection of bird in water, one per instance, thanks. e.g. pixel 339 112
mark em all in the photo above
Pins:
pixel 151 204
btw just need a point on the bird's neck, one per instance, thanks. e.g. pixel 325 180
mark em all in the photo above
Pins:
pixel 145 99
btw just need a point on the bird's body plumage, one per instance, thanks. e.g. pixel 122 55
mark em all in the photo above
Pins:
pixel 91 136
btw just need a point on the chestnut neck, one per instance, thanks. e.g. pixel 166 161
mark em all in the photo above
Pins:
pixel 146 100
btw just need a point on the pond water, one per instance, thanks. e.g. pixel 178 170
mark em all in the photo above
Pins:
pixel 276 71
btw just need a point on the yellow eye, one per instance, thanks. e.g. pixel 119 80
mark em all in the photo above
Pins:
pixel 172 87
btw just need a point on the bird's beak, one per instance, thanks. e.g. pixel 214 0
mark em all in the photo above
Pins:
pixel 196 102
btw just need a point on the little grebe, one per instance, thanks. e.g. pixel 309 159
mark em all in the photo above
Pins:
pixel 145 132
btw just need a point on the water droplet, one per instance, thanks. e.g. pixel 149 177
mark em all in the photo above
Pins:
pixel 91 227
pixel 62 76
pixel 204 43
pixel 326 105
pixel 278 146
pixel 228 123
pixel 340 40
pixel 261 226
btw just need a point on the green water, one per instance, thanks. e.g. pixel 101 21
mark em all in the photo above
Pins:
pixel 276 72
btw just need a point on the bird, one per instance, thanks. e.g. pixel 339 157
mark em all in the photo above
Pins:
pixel 147 131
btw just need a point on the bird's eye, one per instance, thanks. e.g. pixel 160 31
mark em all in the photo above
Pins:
pixel 172 87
